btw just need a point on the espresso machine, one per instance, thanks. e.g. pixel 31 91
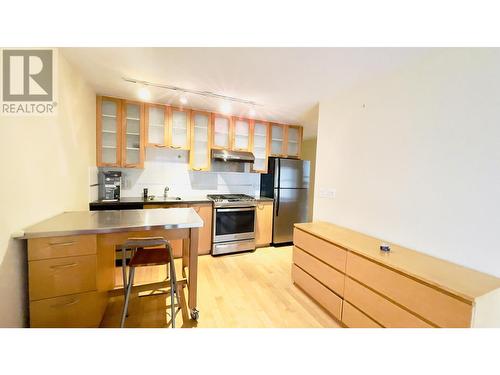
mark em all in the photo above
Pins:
pixel 109 185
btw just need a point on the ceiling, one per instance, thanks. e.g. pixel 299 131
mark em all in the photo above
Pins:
pixel 287 82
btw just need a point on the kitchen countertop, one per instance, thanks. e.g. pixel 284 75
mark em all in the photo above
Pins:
pixel 95 222
pixel 161 200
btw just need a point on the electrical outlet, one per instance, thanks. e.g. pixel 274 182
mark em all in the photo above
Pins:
pixel 327 193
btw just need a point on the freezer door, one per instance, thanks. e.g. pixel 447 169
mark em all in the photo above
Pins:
pixel 293 174
pixel 291 208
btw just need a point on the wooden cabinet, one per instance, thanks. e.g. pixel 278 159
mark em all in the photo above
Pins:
pixel 206 213
pixel 199 157
pixel 264 223
pixel 260 145
pixel 242 134
pixel 277 141
pixel 221 131
pixel 64 289
pixel 156 125
pixel 109 129
pixel 179 129
pixel 205 210
pixel 286 141
pixel 293 136
pixel 402 288
pixel 120 133
pixel 133 134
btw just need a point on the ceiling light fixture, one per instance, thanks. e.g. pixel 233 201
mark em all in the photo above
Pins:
pixel 144 93
pixel 209 94
pixel 183 100
pixel 225 108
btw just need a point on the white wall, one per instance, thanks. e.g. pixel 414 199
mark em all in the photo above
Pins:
pixel 44 163
pixel 414 157
pixel 164 167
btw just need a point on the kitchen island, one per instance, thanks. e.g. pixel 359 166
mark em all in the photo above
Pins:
pixel 71 260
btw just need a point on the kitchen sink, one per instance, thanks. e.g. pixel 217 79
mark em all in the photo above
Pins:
pixel 163 199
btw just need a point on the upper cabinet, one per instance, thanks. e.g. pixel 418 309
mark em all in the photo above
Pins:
pixel 156 120
pixel 293 141
pixel 120 133
pixel 199 156
pixel 221 131
pixel 278 145
pixel 125 128
pixel 260 145
pixel 109 111
pixel 179 128
pixel 132 134
pixel 242 139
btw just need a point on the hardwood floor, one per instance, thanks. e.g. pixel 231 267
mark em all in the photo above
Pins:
pixel 234 291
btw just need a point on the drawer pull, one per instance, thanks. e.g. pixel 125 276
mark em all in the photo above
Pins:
pixel 68 243
pixel 70 303
pixel 63 266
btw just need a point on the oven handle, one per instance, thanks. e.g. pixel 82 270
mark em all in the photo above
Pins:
pixel 235 209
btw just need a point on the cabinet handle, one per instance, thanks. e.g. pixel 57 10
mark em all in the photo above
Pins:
pixel 160 146
pixel 197 169
pixel 62 266
pixel 176 147
pixel 72 302
pixel 68 243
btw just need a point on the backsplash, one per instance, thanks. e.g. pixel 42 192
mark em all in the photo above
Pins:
pixel 166 167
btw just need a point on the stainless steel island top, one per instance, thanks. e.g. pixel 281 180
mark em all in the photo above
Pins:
pixel 95 222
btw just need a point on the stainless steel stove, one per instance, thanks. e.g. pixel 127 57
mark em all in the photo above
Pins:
pixel 234 223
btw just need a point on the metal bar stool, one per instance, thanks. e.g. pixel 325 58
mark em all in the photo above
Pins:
pixel 148 251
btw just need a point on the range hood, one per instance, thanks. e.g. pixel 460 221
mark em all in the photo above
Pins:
pixel 235 156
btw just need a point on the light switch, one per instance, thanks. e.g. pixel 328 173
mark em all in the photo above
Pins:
pixel 327 193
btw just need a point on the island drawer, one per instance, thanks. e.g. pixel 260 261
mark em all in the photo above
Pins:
pixel 326 251
pixel 60 247
pixel 61 276
pixel 353 318
pixel 73 311
pixel 327 275
pixel 425 301
pixel 321 294
pixel 382 310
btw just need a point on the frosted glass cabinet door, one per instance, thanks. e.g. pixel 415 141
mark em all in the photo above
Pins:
pixel 221 127
pixel 108 132
pixel 293 141
pixel 277 140
pixel 156 124
pixel 133 152
pixel 199 155
pixel 260 149
pixel 241 134
pixel 179 128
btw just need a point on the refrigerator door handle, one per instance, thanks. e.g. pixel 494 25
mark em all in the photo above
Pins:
pixel 278 195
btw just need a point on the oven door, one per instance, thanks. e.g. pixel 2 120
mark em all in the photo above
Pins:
pixel 233 224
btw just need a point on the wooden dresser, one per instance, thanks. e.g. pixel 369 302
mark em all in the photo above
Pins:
pixel 363 287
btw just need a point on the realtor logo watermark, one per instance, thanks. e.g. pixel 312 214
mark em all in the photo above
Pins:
pixel 28 82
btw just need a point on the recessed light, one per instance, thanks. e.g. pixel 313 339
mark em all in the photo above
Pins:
pixel 225 108
pixel 144 93
pixel 183 100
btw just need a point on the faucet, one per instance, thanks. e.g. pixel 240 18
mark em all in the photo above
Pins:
pixel 165 192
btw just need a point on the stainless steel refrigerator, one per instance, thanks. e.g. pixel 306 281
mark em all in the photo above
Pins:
pixel 287 182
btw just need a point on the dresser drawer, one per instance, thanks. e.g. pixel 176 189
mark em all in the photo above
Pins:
pixel 428 302
pixel 327 252
pixel 61 276
pixel 73 311
pixel 327 275
pixel 353 318
pixel 60 247
pixel 322 295
pixel 382 310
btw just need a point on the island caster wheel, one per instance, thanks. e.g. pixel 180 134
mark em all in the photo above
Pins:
pixel 195 314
